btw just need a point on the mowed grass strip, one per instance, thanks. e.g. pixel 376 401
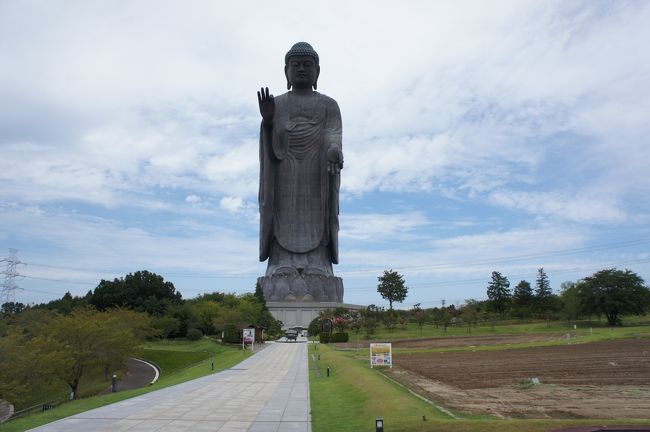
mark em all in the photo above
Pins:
pixel 354 396
pixel 225 357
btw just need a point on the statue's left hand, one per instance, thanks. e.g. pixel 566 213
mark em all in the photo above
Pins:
pixel 334 159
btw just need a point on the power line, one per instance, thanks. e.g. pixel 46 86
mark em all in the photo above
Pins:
pixel 512 258
pixel 10 293
pixel 59 280
pixel 498 260
pixel 516 276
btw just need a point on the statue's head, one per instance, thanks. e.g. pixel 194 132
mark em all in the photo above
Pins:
pixel 301 66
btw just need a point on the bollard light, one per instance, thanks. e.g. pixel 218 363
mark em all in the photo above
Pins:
pixel 379 425
pixel 114 384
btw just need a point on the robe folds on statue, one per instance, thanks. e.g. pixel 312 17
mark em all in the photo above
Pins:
pixel 298 197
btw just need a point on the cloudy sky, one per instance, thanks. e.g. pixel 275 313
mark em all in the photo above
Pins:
pixel 478 136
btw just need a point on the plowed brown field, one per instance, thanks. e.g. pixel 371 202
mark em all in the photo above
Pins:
pixel 617 362
pixel 608 379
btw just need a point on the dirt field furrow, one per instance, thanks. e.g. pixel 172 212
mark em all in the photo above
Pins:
pixel 609 379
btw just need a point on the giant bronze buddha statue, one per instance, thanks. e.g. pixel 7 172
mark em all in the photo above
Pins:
pixel 300 164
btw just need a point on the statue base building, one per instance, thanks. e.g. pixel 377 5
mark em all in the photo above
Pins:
pixel 297 299
pixel 300 314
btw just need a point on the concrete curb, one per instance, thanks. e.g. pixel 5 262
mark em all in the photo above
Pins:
pixel 153 366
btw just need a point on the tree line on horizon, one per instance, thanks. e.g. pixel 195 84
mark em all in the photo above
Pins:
pixel 608 293
pixel 611 293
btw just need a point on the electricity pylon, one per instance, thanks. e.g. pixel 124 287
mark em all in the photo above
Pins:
pixel 9 287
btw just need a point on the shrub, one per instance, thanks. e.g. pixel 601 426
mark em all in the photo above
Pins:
pixel 194 334
pixel 324 338
pixel 314 327
pixel 231 334
pixel 340 337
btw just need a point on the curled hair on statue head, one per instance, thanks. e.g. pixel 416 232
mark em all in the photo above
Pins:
pixel 301 49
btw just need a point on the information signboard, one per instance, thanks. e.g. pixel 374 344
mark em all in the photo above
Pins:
pixel 248 337
pixel 381 354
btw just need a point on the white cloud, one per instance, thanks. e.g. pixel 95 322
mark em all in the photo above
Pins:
pixel 232 204
pixel 377 227
pixel 107 248
pixel 576 208
pixel 193 199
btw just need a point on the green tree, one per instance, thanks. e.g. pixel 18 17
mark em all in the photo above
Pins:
pixel 470 313
pixel 31 366
pixel 370 319
pixel 498 292
pixel 65 304
pixel 92 340
pixel 418 315
pixel 614 293
pixel 543 292
pixel 522 294
pixel 12 308
pixel 259 295
pixel 142 291
pixel 314 327
pixel 203 314
pixel 167 325
pixel 266 319
pixel 356 323
pixel 522 299
pixel 570 300
pixel 392 287
pixel 443 317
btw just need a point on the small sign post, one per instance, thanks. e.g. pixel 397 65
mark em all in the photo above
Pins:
pixel 381 354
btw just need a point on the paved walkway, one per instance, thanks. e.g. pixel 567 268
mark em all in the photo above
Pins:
pixel 268 392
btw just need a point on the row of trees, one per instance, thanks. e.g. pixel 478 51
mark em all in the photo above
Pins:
pixel 171 315
pixel 523 301
pixel 367 321
pixel 608 292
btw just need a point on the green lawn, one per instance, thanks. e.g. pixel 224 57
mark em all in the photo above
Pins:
pixel 413 331
pixel 172 361
pixel 355 395
pixel 575 337
pixel 178 360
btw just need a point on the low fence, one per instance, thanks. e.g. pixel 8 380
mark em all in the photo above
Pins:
pixel 44 406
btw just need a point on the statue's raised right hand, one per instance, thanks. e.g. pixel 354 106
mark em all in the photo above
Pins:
pixel 267 106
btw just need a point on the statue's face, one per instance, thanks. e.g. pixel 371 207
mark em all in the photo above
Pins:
pixel 302 71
